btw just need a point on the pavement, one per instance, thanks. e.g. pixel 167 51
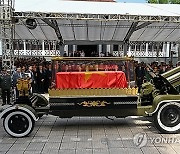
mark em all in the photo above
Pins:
pixel 91 135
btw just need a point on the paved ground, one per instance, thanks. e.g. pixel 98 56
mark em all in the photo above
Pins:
pixel 91 135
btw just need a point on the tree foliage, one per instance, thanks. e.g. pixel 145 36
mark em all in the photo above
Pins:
pixel 175 1
pixel 153 1
pixel 164 1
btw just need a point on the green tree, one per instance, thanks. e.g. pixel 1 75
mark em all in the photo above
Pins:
pixel 175 1
pixel 164 1
pixel 153 1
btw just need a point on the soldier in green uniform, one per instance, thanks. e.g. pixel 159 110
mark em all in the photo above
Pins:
pixel 5 84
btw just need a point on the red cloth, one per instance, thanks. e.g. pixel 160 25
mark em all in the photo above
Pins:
pixel 98 79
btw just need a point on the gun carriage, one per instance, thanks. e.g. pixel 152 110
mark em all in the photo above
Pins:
pixel 97 87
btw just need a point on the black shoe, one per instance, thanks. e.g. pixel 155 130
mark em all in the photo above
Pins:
pixel 3 104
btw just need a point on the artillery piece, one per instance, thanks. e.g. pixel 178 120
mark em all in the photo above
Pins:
pixel 91 89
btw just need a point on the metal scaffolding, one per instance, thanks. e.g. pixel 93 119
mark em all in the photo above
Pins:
pixel 132 31
pixel 99 17
pixel 6 33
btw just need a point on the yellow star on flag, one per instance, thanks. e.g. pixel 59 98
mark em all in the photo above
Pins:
pixel 89 74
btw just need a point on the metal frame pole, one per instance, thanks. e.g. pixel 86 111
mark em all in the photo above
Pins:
pixel 7 33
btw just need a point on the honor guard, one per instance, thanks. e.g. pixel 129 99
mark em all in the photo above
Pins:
pixel 5 84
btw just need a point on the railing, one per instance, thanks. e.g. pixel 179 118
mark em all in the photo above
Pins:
pixel 34 53
pixel 138 54
pixel 42 53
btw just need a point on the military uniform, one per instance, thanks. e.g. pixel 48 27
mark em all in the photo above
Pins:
pixel 5 84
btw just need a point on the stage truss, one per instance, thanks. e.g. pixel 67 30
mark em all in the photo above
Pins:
pixel 101 17
pixel 8 15
pixel 6 33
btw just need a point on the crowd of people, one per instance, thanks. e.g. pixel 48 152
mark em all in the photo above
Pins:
pixel 141 70
pixel 40 72
pixel 37 70
pixel 81 53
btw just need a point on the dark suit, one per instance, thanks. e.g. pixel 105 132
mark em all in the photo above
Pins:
pixel 40 81
pixel 32 79
pixel 16 76
pixel 5 84
pixel 140 73
pixel 35 86
pixel 48 78
pixel 23 75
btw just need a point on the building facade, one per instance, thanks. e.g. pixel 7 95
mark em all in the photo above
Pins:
pixel 142 51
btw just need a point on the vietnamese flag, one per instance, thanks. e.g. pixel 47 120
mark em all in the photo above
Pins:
pixel 97 79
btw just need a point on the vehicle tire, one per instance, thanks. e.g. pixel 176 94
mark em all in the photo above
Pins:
pixel 167 118
pixel 18 123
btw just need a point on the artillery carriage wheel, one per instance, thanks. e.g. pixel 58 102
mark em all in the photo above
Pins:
pixel 167 118
pixel 18 123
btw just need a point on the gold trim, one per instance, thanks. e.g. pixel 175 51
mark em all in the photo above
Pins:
pixel 92 58
pixel 93 92
pixel 93 103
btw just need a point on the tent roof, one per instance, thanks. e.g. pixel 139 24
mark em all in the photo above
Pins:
pixel 85 7
pixel 99 22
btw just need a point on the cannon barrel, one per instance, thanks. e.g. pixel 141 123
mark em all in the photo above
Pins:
pixel 171 72
pixel 173 76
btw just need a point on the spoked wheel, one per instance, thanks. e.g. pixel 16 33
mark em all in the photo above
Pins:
pixel 167 118
pixel 18 124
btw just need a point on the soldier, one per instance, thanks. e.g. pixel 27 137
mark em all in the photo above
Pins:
pixel 5 84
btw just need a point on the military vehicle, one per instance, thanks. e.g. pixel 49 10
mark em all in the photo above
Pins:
pixel 96 87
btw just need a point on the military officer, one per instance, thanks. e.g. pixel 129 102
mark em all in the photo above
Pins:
pixel 5 84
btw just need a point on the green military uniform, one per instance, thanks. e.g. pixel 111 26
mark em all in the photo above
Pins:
pixel 5 84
